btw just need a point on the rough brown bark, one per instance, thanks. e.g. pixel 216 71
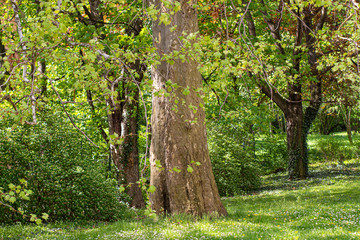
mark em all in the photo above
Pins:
pixel 297 163
pixel 178 130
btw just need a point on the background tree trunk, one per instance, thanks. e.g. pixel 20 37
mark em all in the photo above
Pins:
pixel 297 166
pixel 347 118
pixel 178 130
pixel 123 120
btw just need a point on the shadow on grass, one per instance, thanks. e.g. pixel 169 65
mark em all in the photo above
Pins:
pixel 317 176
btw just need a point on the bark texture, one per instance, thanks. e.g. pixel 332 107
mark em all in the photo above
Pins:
pixel 178 130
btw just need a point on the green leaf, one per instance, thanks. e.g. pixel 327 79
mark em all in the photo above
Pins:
pixel 151 189
pixel 121 188
pixel 33 217
pixel 158 164
pixel 186 91
pixel 165 18
pixel 45 216
pixel 190 169
pixel 23 181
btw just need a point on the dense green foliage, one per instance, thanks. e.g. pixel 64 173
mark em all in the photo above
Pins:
pixel 233 158
pixel 335 147
pixel 64 172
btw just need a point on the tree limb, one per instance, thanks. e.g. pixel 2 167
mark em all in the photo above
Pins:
pixel 21 36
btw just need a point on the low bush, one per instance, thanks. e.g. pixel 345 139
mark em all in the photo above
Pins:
pixel 272 152
pixel 67 181
pixel 336 148
pixel 232 156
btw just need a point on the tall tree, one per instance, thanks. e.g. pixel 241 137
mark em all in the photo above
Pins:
pixel 309 19
pixel 179 157
pixel 284 48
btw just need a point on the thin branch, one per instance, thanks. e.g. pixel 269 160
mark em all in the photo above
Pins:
pixel 21 36
pixel 222 105
pixel 8 98
pixel 32 97
pixel 12 73
pixel 305 25
pixel 9 206
pixel 212 89
pixel 67 114
pixel 91 103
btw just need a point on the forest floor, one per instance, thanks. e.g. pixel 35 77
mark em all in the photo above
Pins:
pixel 326 206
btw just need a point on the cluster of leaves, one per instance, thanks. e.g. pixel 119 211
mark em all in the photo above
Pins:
pixel 66 176
pixel 272 152
pixel 19 192
pixel 232 155
pixel 335 148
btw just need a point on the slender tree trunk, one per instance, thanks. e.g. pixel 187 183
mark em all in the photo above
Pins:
pixel 179 142
pixel 2 56
pixel 348 123
pixel 123 119
pixel 129 147
pixel 298 123
pixel 131 155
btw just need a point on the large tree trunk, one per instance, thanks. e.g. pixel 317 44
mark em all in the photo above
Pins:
pixel 178 130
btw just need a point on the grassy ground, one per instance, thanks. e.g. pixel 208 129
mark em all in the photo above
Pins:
pixel 326 206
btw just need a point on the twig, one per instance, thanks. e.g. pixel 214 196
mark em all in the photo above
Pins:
pixel 21 36
pixel 67 114
pixel 227 94
pixel 12 72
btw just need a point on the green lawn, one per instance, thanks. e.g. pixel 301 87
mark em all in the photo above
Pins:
pixel 327 206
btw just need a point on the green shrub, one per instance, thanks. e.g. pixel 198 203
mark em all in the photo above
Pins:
pixel 336 148
pixel 272 153
pixel 67 181
pixel 232 156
